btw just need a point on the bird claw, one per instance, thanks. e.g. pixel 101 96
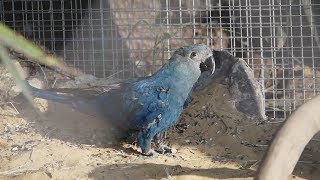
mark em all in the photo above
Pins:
pixel 164 149
pixel 151 153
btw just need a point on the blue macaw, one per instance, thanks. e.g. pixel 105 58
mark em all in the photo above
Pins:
pixel 145 107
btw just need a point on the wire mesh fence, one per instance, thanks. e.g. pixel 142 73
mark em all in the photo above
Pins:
pixel 278 38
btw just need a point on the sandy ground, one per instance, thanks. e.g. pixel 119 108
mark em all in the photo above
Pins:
pixel 213 142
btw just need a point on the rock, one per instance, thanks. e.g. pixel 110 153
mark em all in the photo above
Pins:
pixel 37 83
pixel 246 92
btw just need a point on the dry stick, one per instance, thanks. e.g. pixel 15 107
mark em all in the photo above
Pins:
pixel 317 140
pixel 54 83
pixel 44 74
pixel 31 152
pixel 11 103
pixel 14 107
pixel 289 142
pixel 17 171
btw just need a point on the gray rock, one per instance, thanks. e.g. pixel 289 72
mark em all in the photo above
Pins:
pixel 246 92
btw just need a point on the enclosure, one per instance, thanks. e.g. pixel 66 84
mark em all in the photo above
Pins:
pixel 124 39
pixel 278 38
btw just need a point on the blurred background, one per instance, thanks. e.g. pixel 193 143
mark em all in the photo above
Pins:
pixel 131 38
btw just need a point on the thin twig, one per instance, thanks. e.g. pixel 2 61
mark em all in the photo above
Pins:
pixel 14 107
pixel 317 140
pixel 44 74
pixel 225 125
pixel 31 155
pixel 274 122
pixel 54 82
pixel 261 145
pixel 18 170
pixel 309 162
pixel 112 75
pixel 255 164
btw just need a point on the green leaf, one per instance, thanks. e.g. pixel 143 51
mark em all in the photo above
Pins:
pixel 8 38
pixel 11 68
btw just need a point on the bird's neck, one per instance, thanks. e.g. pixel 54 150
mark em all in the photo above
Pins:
pixel 178 82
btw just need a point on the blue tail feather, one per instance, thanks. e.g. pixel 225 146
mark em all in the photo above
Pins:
pixel 86 106
pixel 49 95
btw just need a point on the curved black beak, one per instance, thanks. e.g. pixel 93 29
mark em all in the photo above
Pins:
pixel 208 65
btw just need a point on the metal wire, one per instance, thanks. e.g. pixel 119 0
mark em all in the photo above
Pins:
pixel 278 38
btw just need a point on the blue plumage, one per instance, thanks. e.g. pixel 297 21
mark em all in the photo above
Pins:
pixel 146 106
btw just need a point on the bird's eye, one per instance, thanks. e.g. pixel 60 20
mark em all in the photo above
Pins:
pixel 193 54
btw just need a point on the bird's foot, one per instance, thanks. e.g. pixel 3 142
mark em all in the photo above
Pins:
pixel 151 153
pixel 164 149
